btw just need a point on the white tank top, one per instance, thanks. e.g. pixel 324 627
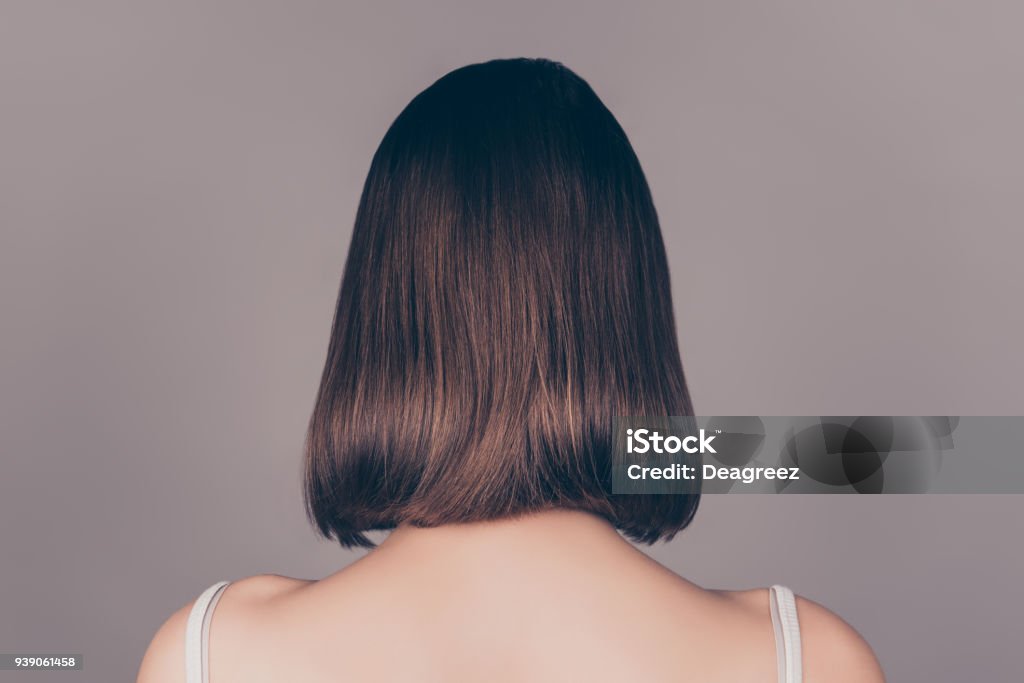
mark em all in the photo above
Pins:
pixel 782 603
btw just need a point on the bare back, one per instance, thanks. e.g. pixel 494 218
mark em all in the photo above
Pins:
pixel 562 598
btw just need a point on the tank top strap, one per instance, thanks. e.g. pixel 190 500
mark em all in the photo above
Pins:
pixel 197 634
pixel 787 634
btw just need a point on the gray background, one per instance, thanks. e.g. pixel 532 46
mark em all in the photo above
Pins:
pixel 840 190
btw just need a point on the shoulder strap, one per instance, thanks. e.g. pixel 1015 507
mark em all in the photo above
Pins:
pixel 197 634
pixel 787 634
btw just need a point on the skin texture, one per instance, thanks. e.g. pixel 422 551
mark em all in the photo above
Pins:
pixel 555 596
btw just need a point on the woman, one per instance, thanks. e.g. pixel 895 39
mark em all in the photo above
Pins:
pixel 506 295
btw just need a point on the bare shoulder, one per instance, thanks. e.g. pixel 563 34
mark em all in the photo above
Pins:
pixel 164 661
pixel 833 651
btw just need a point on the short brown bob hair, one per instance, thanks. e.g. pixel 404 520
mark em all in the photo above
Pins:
pixel 506 294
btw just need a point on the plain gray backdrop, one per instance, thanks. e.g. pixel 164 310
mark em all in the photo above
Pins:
pixel 840 188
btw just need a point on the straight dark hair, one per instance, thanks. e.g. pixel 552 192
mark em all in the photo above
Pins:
pixel 506 294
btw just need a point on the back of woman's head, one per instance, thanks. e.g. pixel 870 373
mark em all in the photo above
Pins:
pixel 506 294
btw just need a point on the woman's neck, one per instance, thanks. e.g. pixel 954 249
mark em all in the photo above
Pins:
pixel 532 557
pixel 554 531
